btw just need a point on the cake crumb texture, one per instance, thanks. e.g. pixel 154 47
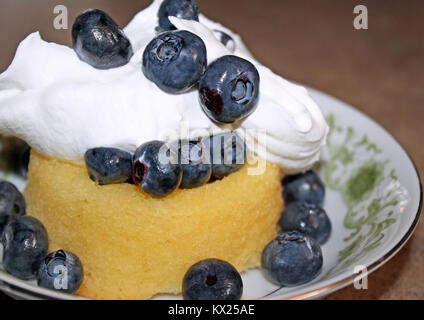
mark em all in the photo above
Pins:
pixel 133 246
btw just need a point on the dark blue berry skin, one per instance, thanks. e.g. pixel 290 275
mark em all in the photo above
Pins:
pixel 61 271
pixel 16 154
pixel 156 168
pixel 98 40
pixel 25 244
pixel 183 9
pixel 108 165
pixel 303 187
pixel 292 259
pixel 227 154
pixel 12 203
pixel 212 279
pixel 309 219
pixel 229 89
pixel 23 162
pixel 226 40
pixel 175 61
pixel 195 171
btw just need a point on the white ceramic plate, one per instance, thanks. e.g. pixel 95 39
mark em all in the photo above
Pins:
pixel 373 198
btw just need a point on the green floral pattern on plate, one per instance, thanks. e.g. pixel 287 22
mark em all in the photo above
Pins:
pixel 369 188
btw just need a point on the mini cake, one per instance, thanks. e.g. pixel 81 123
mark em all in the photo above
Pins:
pixel 151 243
pixel 96 117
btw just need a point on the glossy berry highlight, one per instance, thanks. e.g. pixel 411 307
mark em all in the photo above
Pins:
pixel 175 61
pixel 229 89
pixel 98 40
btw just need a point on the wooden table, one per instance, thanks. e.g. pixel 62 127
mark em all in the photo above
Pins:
pixel 379 70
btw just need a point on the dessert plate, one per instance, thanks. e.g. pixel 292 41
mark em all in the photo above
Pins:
pixel 373 198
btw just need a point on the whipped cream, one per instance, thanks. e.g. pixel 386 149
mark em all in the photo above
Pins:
pixel 62 106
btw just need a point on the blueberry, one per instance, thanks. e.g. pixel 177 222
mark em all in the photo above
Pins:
pixel 12 203
pixel 23 162
pixel 98 40
pixel 196 172
pixel 229 89
pixel 183 9
pixel 156 168
pixel 25 244
pixel 15 155
pixel 308 219
pixel 227 154
pixel 226 40
pixel 303 187
pixel 108 165
pixel 212 279
pixel 292 259
pixel 62 271
pixel 175 61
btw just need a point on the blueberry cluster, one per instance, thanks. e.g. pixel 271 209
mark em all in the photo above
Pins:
pixel 159 168
pixel 176 61
pixel 25 246
pixel 294 257
pixel 304 196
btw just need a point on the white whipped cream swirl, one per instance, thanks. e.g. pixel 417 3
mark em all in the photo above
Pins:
pixel 62 106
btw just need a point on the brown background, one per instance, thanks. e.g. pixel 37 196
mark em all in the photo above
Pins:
pixel 379 70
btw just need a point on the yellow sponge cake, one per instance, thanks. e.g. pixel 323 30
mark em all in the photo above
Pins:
pixel 133 246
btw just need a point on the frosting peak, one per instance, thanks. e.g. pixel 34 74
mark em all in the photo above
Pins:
pixel 62 106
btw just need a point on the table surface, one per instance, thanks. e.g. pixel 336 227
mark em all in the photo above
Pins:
pixel 380 71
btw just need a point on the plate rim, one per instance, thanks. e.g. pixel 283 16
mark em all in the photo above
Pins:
pixel 327 289
pixel 12 285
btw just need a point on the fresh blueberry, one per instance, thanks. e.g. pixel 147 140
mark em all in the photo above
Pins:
pixel 12 203
pixel 15 154
pixel 183 9
pixel 227 154
pixel 108 165
pixel 307 218
pixel 156 168
pixel 98 40
pixel 62 271
pixel 292 259
pixel 303 187
pixel 25 244
pixel 229 89
pixel 212 279
pixel 196 171
pixel 226 40
pixel 23 162
pixel 175 61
